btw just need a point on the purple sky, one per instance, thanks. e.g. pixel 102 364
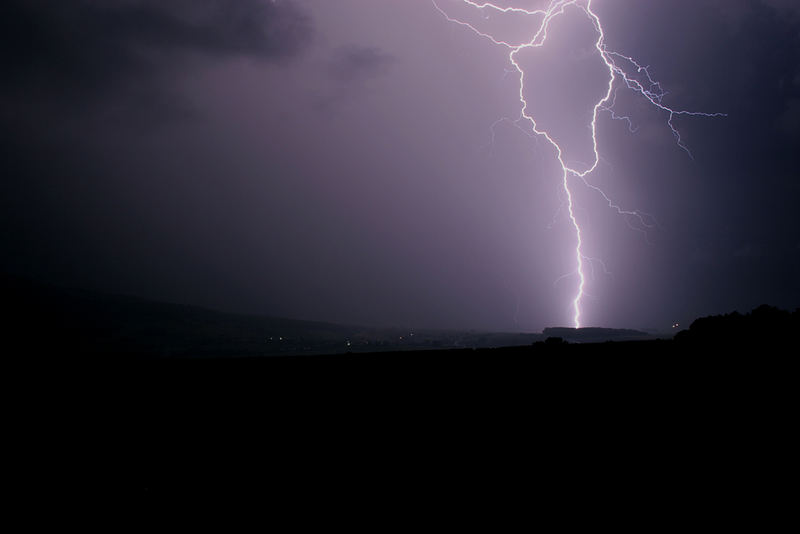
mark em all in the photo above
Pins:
pixel 335 160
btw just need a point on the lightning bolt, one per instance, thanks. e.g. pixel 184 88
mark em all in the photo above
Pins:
pixel 624 72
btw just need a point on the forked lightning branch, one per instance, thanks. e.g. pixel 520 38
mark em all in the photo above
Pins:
pixel 623 72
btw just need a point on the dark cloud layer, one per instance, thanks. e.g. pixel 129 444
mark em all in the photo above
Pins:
pixel 88 44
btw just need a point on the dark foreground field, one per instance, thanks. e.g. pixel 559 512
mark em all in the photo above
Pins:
pixel 664 434
pixel 620 433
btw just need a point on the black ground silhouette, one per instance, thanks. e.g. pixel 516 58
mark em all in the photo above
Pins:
pixel 668 427
pixel 765 326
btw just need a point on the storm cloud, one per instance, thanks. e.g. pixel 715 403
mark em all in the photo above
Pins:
pixel 88 46
pixel 347 160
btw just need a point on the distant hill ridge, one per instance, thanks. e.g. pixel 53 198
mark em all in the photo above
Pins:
pixel 53 320
pixel 595 334
pixel 45 319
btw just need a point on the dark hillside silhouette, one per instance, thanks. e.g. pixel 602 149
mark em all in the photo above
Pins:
pixel 59 322
pixel 72 324
pixel 765 326
pixel 63 323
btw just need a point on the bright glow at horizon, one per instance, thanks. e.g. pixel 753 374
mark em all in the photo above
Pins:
pixel 621 68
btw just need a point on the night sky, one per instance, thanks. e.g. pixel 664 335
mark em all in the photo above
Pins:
pixel 344 160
